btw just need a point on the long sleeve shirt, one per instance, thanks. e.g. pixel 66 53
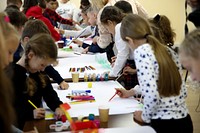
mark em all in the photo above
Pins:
pixel 123 53
pixel 50 71
pixel 105 37
pixel 87 31
pixel 54 18
pixel 24 110
pixel 156 106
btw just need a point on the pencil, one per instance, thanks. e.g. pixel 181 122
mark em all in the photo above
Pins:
pixel 32 104
pixel 114 95
pixel 77 36
pixel 82 101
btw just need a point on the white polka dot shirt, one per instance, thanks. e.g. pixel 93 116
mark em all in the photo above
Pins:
pixel 155 106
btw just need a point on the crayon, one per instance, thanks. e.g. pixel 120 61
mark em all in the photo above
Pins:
pixel 80 102
pixel 81 91
pixel 92 68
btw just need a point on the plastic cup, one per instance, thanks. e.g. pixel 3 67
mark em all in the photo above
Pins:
pixel 75 77
pixel 103 116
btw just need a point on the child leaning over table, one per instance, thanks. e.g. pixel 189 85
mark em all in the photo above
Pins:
pixel 33 27
pixel 92 19
pixel 31 83
pixel 159 76
pixel 9 39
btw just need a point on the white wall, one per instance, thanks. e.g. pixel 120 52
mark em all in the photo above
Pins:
pixel 2 5
pixel 173 9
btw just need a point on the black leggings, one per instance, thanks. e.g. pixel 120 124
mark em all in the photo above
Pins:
pixel 183 125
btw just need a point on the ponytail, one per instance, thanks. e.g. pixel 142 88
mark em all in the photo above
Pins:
pixel 168 70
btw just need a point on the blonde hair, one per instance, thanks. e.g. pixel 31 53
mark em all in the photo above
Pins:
pixel 96 5
pixel 6 91
pixel 136 27
pixel 191 44
pixel 8 30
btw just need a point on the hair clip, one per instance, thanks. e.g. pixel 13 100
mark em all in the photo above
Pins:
pixel 7 19
pixel 27 74
pixel 157 17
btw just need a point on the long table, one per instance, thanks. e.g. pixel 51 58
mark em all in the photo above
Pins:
pixel 120 114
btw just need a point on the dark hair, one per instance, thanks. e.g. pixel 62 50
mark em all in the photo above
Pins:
pixel 17 18
pixel 50 0
pixel 84 4
pixel 13 6
pixel 30 3
pixel 136 27
pixel 164 25
pixel 115 15
pixel 124 6
pixel 43 46
pixel 14 2
pixel 33 27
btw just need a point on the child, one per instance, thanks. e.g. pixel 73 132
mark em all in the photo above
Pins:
pixel 124 57
pixel 88 30
pixel 8 44
pixel 8 36
pixel 31 28
pixel 162 30
pixel 92 18
pixel 67 10
pixel 164 100
pixel 17 18
pixel 30 83
pixel 50 13
pixel 105 38
pixel 32 8
pixel 164 26
pixel 189 54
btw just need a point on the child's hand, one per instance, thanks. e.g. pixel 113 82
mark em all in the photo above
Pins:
pixel 128 70
pixel 64 85
pixel 137 116
pixel 74 22
pixel 113 60
pixel 61 31
pixel 94 40
pixel 39 113
pixel 78 42
pixel 56 29
pixel 59 112
pixel 123 93
pixel 85 50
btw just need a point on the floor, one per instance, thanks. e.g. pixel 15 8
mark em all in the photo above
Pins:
pixel 192 102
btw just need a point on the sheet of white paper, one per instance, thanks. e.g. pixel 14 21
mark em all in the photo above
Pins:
pixel 79 61
pixel 102 91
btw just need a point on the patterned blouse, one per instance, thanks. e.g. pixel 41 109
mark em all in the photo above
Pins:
pixel 156 106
